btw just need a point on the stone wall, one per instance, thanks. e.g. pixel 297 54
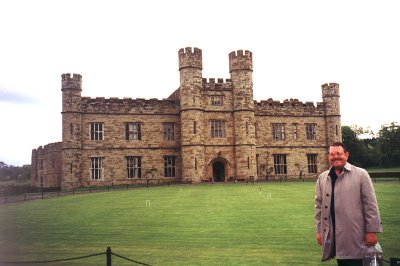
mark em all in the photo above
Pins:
pixel 46 165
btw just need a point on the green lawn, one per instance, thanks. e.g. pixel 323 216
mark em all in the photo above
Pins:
pixel 209 224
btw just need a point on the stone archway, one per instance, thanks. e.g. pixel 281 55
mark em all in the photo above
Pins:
pixel 218 171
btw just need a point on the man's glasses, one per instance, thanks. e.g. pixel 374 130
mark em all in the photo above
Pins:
pixel 335 153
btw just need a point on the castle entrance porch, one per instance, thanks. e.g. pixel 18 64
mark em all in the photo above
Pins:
pixel 219 172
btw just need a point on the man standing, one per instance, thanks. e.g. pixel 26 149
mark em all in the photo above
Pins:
pixel 346 210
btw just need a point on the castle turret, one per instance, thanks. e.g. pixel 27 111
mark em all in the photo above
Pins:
pixel 192 128
pixel 330 97
pixel 241 70
pixel 71 87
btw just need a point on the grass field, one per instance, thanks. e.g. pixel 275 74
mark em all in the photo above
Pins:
pixel 209 224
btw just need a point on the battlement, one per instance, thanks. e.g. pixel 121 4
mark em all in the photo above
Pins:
pixel 219 85
pixel 71 81
pixel 240 61
pixel 292 107
pixel 71 76
pixel 190 58
pixel 330 89
pixel 48 148
pixel 127 105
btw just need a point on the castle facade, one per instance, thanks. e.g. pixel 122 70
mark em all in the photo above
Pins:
pixel 207 130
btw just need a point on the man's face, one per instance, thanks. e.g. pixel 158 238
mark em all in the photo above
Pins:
pixel 337 157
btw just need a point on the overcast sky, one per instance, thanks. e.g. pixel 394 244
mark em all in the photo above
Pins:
pixel 130 49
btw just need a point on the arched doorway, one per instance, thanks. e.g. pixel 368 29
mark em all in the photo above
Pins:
pixel 219 172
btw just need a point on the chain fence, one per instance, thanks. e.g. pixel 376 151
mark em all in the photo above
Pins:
pixel 108 254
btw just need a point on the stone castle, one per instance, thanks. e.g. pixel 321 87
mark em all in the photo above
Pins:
pixel 207 130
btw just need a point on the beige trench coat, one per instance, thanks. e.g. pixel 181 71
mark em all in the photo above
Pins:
pixel 356 212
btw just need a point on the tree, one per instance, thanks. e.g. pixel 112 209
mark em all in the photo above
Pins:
pixel 388 145
pixel 10 172
pixel 359 154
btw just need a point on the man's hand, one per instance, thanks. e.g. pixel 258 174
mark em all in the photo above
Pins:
pixel 319 240
pixel 371 239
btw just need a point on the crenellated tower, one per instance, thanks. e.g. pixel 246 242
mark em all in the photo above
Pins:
pixel 330 97
pixel 191 113
pixel 71 87
pixel 241 71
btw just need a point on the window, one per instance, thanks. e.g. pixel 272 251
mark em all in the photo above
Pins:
pixel 169 166
pixel 96 168
pixel 256 129
pixel 295 131
pixel 134 166
pixel 247 128
pixel 41 164
pixel 96 131
pixel 217 129
pixel 312 163
pixel 278 131
pixel 194 127
pixel 310 131
pixel 217 100
pixel 337 130
pixel 280 167
pixel 169 131
pixel 133 131
pixel 257 164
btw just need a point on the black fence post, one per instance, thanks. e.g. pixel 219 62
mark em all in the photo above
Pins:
pixel 108 254
pixel 394 261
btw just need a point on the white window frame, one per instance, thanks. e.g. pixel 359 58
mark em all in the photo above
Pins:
pixel 96 131
pixel 280 165
pixel 278 131
pixel 312 163
pixel 311 131
pixel 169 166
pixel 169 131
pixel 134 166
pixel 96 168
pixel 217 129
pixel 217 100
pixel 133 131
pixel 295 131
